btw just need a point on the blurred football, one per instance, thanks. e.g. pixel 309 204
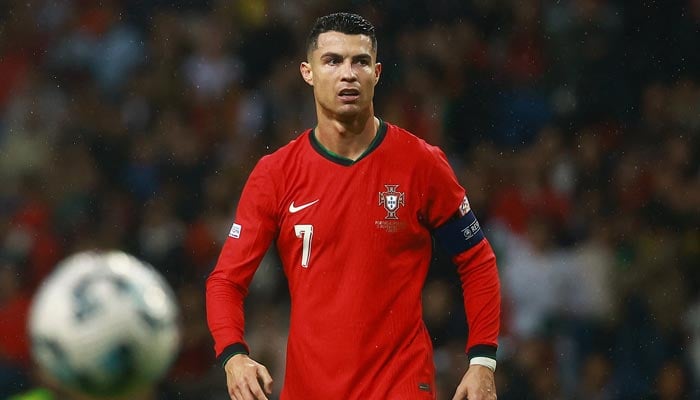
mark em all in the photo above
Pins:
pixel 104 324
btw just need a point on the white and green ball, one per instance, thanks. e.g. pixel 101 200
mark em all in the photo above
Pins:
pixel 104 323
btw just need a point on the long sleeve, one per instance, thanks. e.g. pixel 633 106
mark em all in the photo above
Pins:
pixel 482 298
pixel 455 227
pixel 252 232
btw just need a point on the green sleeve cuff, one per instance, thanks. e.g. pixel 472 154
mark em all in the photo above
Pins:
pixel 482 350
pixel 230 351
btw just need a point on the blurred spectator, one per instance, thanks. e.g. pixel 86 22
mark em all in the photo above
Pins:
pixel 692 326
pixel 14 343
pixel 574 127
pixel 594 382
pixel 210 71
pixel 671 382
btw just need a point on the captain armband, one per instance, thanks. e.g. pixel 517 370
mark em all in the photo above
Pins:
pixel 460 234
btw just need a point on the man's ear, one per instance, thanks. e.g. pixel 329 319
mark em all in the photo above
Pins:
pixel 306 73
pixel 377 72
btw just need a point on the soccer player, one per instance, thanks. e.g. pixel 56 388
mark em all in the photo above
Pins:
pixel 353 205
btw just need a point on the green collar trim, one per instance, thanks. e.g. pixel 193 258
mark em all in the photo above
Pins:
pixel 378 138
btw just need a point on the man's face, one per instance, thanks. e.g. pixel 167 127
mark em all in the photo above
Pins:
pixel 343 71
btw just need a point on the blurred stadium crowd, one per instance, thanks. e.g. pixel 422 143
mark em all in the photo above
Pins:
pixel 574 125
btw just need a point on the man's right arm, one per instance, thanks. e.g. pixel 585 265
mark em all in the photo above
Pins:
pixel 250 237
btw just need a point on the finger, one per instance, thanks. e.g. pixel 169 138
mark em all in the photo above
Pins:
pixel 460 393
pixel 240 395
pixel 233 394
pixel 266 379
pixel 233 387
pixel 253 388
pixel 244 392
pixel 257 393
pixel 233 391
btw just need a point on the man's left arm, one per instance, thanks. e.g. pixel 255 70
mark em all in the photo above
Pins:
pixel 482 303
pixel 476 264
pixel 459 233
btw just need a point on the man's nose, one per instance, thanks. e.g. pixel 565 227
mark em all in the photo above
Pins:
pixel 347 72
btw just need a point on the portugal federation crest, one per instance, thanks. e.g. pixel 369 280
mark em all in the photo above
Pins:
pixel 391 200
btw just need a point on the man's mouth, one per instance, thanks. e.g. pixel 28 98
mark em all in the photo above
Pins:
pixel 349 95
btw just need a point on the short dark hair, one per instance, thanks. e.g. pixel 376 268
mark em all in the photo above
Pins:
pixel 347 23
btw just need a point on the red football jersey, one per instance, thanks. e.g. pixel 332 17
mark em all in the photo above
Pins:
pixel 355 242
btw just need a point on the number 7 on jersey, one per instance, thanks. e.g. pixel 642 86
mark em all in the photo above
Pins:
pixel 305 233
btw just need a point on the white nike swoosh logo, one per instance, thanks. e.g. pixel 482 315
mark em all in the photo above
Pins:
pixel 293 209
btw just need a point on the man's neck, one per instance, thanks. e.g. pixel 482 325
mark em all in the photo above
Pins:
pixel 348 139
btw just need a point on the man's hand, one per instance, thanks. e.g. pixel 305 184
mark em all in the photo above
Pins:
pixel 244 377
pixel 477 384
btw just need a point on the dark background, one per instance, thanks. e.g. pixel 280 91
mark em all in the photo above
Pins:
pixel 574 126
